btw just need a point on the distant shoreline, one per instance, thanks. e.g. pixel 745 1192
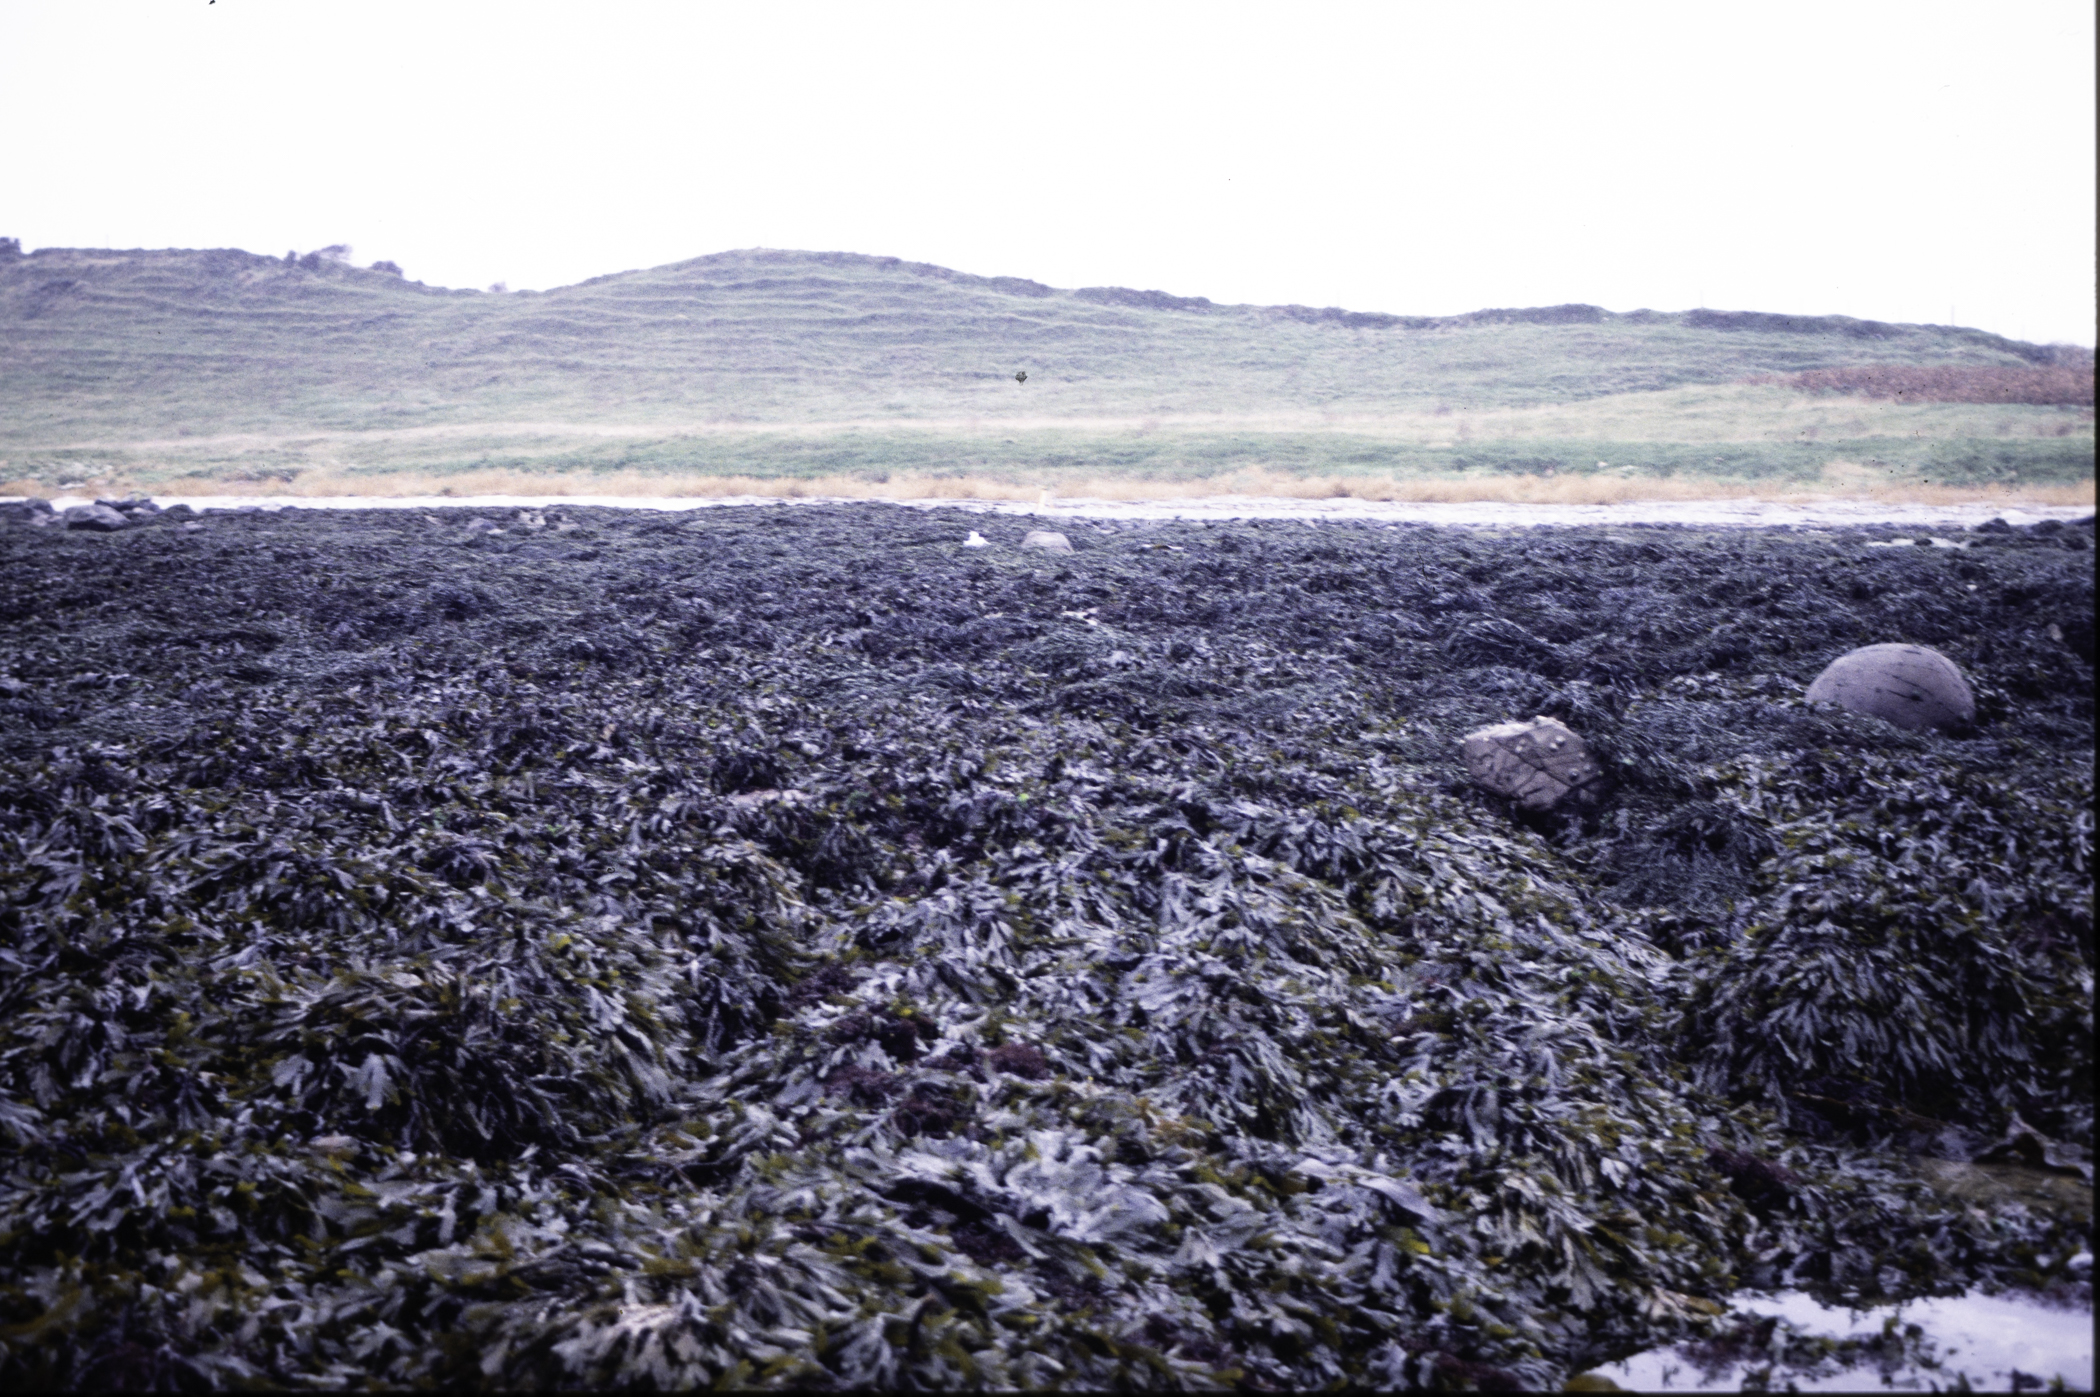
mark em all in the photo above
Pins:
pixel 1717 512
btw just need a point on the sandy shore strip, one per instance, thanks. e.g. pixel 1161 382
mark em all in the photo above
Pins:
pixel 1724 513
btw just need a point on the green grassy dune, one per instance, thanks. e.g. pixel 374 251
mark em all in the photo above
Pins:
pixel 201 370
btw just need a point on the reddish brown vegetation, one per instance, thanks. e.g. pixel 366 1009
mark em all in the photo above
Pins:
pixel 2043 384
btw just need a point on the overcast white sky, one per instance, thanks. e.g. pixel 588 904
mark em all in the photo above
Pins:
pixel 1903 161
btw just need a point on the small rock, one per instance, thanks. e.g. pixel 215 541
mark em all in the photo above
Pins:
pixel 133 507
pixel 98 517
pixel 1909 685
pixel 976 540
pixel 531 520
pixel 2023 1144
pixel 178 510
pixel 33 512
pixel 1047 541
pixel 1539 764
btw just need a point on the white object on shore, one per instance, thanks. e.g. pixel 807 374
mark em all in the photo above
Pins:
pixel 976 540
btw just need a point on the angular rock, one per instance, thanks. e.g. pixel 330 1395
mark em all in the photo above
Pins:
pixel 1049 542
pixel 1909 685
pixel 1540 764
pixel 98 517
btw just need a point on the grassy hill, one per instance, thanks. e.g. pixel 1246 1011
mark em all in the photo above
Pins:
pixel 218 367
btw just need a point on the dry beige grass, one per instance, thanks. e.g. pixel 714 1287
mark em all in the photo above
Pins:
pixel 1725 412
pixel 1842 480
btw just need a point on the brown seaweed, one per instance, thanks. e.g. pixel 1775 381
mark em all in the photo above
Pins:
pixel 782 947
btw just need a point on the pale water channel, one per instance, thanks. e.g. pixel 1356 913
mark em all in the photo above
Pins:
pixel 1477 514
pixel 1975 1343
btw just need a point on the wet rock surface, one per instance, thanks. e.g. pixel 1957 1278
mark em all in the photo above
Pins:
pixel 632 947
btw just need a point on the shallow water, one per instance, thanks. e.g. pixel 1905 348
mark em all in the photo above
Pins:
pixel 1483 513
pixel 1977 1340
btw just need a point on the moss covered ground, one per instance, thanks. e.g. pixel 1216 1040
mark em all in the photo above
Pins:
pixel 782 946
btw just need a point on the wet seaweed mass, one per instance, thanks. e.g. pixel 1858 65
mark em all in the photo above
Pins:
pixel 783 946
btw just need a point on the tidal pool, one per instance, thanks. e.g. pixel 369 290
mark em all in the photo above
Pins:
pixel 1979 1343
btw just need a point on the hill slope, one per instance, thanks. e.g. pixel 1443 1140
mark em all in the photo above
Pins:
pixel 102 349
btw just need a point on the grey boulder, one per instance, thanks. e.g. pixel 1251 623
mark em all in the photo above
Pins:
pixel 1047 541
pixel 1909 685
pixel 1541 764
pixel 98 517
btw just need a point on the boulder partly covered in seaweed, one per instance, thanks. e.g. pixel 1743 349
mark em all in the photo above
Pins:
pixel 685 951
pixel 1912 686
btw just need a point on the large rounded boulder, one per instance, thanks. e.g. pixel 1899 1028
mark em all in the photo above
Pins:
pixel 1911 686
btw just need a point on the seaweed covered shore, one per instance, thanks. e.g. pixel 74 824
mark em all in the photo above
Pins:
pixel 784 946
